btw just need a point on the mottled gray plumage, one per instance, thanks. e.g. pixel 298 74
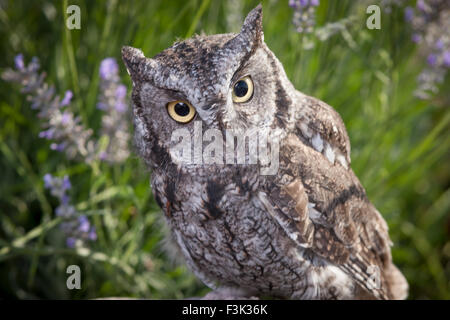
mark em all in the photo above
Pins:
pixel 307 232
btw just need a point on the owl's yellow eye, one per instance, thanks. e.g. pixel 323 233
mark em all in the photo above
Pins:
pixel 181 111
pixel 243 90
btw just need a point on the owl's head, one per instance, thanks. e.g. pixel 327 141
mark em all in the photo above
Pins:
pixel 226 81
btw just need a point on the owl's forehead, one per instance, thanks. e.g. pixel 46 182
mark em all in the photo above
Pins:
pixel 193 54
pixel 199 67
pixel 194 50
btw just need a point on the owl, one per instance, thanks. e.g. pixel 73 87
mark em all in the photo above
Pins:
pixel 253 176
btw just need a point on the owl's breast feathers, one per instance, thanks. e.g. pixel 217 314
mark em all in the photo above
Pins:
pixel 322 206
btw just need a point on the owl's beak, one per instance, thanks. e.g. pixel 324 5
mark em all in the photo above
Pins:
pixel 138 66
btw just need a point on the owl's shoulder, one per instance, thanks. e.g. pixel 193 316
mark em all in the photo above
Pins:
pixel 319 125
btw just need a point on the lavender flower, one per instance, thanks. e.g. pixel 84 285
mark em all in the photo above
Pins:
pixel 76 226
pixel 47 134
pixel 48 179
pixel 416 38
pixel 421 5
pixel 439 44
pixel 67 98
pixel 59 123
pixel 113 102
pixel 18 61
pixel 409 14
pixel 430 22
pixel 70 242
pixel 304 14
pixel 92 235
pixel 84 225
pixel 63 127
pixel 432 59
pixel 446 59
pixel 108 69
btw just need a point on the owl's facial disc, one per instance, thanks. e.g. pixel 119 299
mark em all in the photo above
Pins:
pixel 224 81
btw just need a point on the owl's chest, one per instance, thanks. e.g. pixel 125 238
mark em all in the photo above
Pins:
pixel 225 233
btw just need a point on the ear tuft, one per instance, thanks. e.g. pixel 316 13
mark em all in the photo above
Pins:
pixel 252 26
pixel 138 66
pixel 132 57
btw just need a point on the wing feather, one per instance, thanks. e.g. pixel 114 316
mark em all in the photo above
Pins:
pixel 323 206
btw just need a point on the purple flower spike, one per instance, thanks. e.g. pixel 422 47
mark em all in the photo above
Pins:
pixel 71 242
pixel 103 155
pixel 62 126
pixel 58 146
pixel 102 106
pixel 108 68
pixel 84 224
pixel 47 134
pixel 439 44
pixel 65 199
pixel 304 17
pixel 66 183
pixel 432 59
pixel 416 38
pixel 67 97
pixel 409 13
pixel 113 101
pixel 447 59
pixel 121 107
pixel 121 91
pixel 77 228
pixel 60 211
pixel 65 118
pixel 18 61
pixel 304 3
pixel 92 234
pixel 421 5
pixel 48 179
pixel 66 211
pixel 67 133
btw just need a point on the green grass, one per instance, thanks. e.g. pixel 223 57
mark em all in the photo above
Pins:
pixel 400 145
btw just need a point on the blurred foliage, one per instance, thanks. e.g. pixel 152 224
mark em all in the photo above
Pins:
pixel 400 145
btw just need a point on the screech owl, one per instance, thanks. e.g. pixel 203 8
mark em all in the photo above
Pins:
pixel 303 230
